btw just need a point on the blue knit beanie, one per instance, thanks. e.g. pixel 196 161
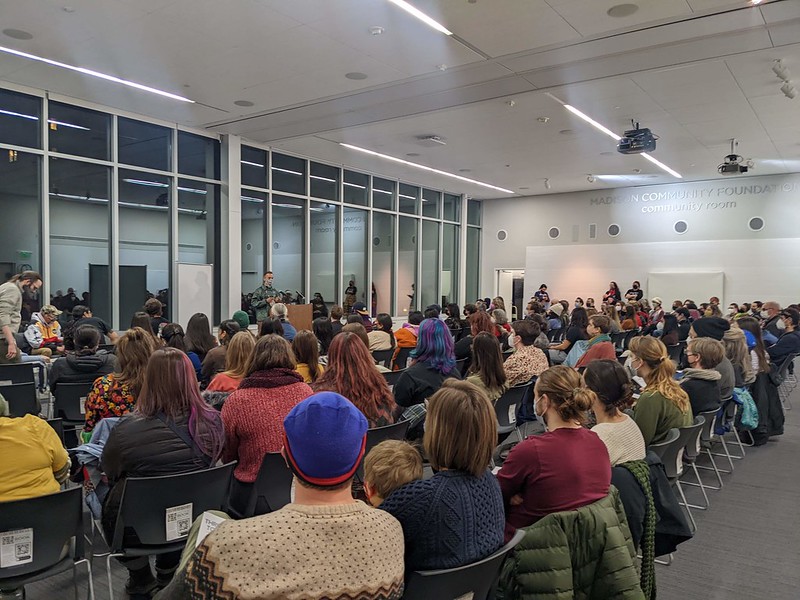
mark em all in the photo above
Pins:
pixel 324 439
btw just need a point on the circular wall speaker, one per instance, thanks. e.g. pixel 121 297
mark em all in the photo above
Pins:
pixel 276 245
pixel 613 230
pixel 756 224
pixel 376 241
pixel 554 233
pixel 681 227
pixel 502 235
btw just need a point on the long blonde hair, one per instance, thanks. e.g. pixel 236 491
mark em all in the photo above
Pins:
pixel 610 310
pixel 736 351
pixel 240 350
pixel 661 377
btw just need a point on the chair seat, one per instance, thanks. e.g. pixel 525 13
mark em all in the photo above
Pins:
pixel 134 551
pixel 503 429
pixel 63 565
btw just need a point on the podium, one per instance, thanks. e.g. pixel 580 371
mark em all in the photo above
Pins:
pixel 300 315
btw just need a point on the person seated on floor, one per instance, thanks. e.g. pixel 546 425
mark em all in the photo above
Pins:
pixel 83 364
pixel 663 404
pixel 715 328
pixel 563 469
pixel 576 331
pixel 253 414
pixel 82 315
pixel 486 367
pixel 280 312
pixel 237 358
pixel 789 342
pixel 214 362
pixel 527 360
pixel 455 517
pixel 174 337
pixel 700 380
pixel 381 337
pixel 154 440
pixel 351 372
pixel 389 466
pixel 614 393
pixel 324 544
pixel 599 346
pixel 114 395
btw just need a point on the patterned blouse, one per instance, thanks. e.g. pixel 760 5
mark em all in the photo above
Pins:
pixel 527 362
pixel 107 398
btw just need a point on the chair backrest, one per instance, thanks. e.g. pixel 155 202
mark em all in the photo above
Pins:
pixel 58 427
pixel 618 340
pixel 395 431
pixel 109 348
pixel 272 489
pixel 507 353
pixel 629 335
pixel 661 447
pixel 675 351
pixel 401 359
pixel 160 510
pixel 392 377
pixel 43 527
pixel 708 426
pixel 787 362
pixel 472 581
pixel 16 373
pixel 672 451
pixel 691 435
pixel 461 366
pixel 21 398
pixel 70 402
pixel 383 357
pixel 506 406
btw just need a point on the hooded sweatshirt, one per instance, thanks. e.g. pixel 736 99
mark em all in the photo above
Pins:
pixel 81 368
pixel 703 388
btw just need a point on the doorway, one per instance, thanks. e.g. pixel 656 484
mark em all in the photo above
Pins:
pixel 509 284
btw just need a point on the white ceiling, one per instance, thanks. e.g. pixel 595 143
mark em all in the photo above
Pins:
pixel 697 72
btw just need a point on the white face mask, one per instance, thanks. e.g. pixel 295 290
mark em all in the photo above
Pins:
pixel 764 314
pixel 512 340
pixel 731 311
pixel 539 417
pixel 780 324
pixel 660 326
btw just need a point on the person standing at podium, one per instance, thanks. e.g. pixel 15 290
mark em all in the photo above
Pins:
pixel 264 297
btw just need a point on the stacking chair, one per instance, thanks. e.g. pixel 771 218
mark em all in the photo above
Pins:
pixel 788 381
pixel 383 357
pixel 58 427
pixel 692 450
pixel 21 398
pixel 148 502
pixel 506 409
pixel 70 405
pixel 395 431
pixel 401 360
pixel 730 409
pixel 705 441
pixel 618 339
pixel 392 377
pixel 16 373
pixel 507 353
pixel 272 489
pixel 671 452
pixel 473 581
pixel 55 522
pixel 629 335
pixel 461 366
pixel 676 351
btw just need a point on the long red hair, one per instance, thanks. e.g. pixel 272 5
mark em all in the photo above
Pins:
pixel 351 372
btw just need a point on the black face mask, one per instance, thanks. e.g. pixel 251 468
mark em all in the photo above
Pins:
pixel 636 287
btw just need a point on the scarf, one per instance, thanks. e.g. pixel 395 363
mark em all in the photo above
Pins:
pixel 641 471
pixel 703 374
pixel 414 328
pixel 271 378
pixel 602 337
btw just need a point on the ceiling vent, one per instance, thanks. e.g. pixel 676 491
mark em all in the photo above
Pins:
pixel 431 140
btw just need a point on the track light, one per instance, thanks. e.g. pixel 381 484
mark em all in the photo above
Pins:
pixel 781 70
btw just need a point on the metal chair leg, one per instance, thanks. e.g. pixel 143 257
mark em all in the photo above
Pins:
pixel 685 504
pixel 725 454
pixel 667 562
pixel 702 489
pixel 714 468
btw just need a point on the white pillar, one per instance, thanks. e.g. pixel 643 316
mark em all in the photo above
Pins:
pixel 231 226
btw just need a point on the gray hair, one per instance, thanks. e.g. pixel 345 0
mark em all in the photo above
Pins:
pixel 278 310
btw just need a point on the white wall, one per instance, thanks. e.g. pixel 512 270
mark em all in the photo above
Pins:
pixel 757 264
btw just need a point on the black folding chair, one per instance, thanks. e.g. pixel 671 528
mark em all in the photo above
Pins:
pixel 383 357
pixel 149 503
pixel 395 431
pixel 272 489
pixel 392 377
pixel 461 366
pixel 58 427
pixel 692 450
pixel 671 452
pixel 16 373
pixel 506 409
pixel 473 581
pixel 401 360
pixel 45 527
pixel 705 441
pixel 21 398
pixel 618 339
pixel 676 351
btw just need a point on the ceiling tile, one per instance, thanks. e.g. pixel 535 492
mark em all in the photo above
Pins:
pixel 589 17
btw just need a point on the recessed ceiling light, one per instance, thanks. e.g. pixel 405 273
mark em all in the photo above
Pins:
pixel 243 103
pixel 622 10
pixel 413 154
pixel 68 9
pixel 465 170
pixel 425 168
pixel 414 11
pixel 525 188
pixel 355 75
pixel 92 73
pixel 18 34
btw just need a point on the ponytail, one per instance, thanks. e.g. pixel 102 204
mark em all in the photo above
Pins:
pixel 661 378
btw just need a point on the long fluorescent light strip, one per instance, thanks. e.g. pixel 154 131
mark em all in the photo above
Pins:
pixel 616 137
pixel 289 171
pixel 11 113
pixel 414 11
pixel 85 71
pixel 252 164
pixel 424 168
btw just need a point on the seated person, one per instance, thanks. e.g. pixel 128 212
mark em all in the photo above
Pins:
pixel 174 337
pixel 486 367
pixel 336 319
pixel 478 322
pixel 527 361
pixel 360 309
pixel 563 469
pixel 736 351
pixel 684 323
pixel 83 364
pixel 579 320
pixel 455 517
pixel 43 334
pixel 406 336
pixel 789 342
pixel 242 319
pixel 82 315
pixel 600 346
pixel 389 466
pixel 280 312
pixel 306 353
pixel 670 330
pixel 240 350
pixel 715 328
pixel 155 310
pixel 700 380
pixel 381 337
pixel 214 361
pixel 324 544
pixel 614 393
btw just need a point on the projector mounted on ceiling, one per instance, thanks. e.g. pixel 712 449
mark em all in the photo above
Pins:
pixel 637 140
pixel 734 164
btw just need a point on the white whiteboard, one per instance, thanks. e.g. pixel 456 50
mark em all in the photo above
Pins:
pixel 194 292
pixel 696 285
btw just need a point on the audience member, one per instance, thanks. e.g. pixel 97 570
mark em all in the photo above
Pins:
pixel 455 517
pixel 527 361
pixel 83 364
pixel 563 469
pixel 336 319
pixel 759 358
pixel 389 466
pixel 599 346
pixel 663 404
pixel 237 358
pixel 771 321
pixel 198 336
pixel 736 352
pixel 670 334
pixel 323 331
pixel 406 336
pixel 43 333
pixel 575 332
pixel 253 414
pixel 542 342
pixel 433 362
pixel 114 395
pixel 280 312
pixel 635 292
pixel 457 326
pixel 171 430
pixel 82 315
pixel 613 294
pixel 610 311
pixel 700 380
pixel 270 326
pixel 10 311
pixel 322 545
pixel 142 320
pixel 554 317
pixel 214 361
pixel 381 337
pixel 684 323
pixel 789 342
pixel 469 309
pixel 479 321
pixel 351 372
pixel 242 319
pixel 630 321
pixel 613 394
pixel 155 311
pixel 174 337
pixel 500 318
pixel 360 309
pixel 306 353
pixel 486 367
pixel 715 328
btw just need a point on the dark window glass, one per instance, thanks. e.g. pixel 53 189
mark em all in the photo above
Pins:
pixel 198 155
pixel 20 119
pixel 383 194
pixel 430 203
pixel 356 188
pixel 324 181
pixel 288 243
pixel 324 226
pixel 254 167
pixel 452 204
pixel 144 144
pixel 473 212
pixel 408 199
pixel 79 131
pixel 254 204
pixel 288 174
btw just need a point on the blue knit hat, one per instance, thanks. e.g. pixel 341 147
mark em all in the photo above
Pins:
pixel 324 439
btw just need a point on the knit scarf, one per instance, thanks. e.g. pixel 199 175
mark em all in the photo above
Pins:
pixel 602 337
pixel 271 378
pixel 641 471
pixel 704 374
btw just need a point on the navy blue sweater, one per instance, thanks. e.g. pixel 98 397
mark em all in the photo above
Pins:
pixel 450 520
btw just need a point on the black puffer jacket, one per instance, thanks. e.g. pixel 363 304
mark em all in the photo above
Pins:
pixel 81 368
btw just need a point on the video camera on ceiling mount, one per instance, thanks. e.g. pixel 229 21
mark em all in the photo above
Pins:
pixel 734 164
pixel 637 140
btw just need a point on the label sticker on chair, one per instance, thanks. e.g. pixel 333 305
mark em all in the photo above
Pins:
pixel 5 382
pixel 83 405
pixel 208 523
pixel 512 413
pixel 16 547
pixel 679 462
pixel 179 520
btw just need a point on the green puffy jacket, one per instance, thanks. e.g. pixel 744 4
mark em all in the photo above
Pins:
pixel 586 554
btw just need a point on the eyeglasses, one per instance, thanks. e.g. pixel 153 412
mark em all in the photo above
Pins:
pixel 692 354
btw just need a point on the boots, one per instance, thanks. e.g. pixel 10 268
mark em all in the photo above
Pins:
pixel 140 581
